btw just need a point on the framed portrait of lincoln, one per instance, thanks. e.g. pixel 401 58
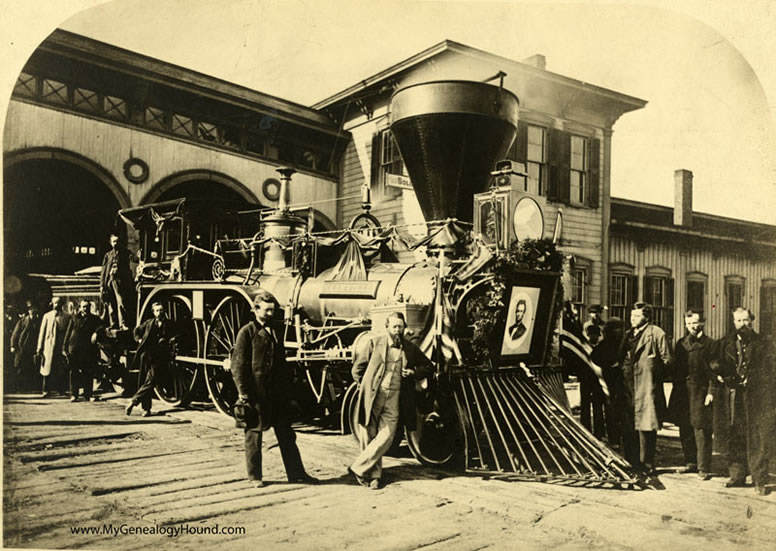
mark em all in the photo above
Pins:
pixel 529 303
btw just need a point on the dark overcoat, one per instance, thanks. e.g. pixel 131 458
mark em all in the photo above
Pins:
pixel 78 340
pixel 23 340
pixel 643 371
pixel 260 372
pixel 369 371
pixel 693 380
pixel 760 384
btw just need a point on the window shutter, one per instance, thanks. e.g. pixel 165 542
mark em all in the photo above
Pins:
pixel 375 177
pixel 521 142
pixel 634 289
pixel 564 175
pixel 595 173
pixel 553 187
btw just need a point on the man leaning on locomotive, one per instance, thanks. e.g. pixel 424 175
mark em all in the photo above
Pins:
pixel 386 374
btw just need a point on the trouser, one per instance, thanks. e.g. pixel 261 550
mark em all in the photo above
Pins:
pixel 116 309
pixel 292 460
pixel 591 396
pixel 613 423
pixel 377 437
pixel 640 450
pixel 81 376
pixel 145 391
pixel 56 380
pixel 689 449
pixel 748 440
pixel 703 445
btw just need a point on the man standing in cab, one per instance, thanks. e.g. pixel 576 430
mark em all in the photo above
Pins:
pixel 263 381
pixel 386 373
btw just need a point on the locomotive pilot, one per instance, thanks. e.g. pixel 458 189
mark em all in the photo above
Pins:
pixel 263 382
pixel 386 374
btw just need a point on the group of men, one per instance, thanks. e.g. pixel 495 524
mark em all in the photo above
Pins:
pixel 62 347
pixel 728 383
pixel 386 371
pixel 58 347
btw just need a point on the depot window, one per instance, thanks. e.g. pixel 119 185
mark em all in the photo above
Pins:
pixel 659 292
pixel 623 291
pixel 734 297
pixel 696 292
pixel 768 309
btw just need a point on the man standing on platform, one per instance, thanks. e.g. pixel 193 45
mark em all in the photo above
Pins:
pixel 692 394
pixel 747 363
pixel 23 341
pixel 263 382
pixel 645 359
pixel 82 354
pixel 606 356
pixel 386 375
pixel 157 337
pixel 116 283
pixel 51 340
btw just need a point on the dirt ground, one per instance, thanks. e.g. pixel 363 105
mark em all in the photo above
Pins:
pixel 83 475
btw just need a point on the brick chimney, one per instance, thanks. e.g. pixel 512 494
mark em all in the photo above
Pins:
pixel 537 60
pixel 683 198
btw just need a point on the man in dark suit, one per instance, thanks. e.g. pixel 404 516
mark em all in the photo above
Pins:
pixel 116 283
pixel 646 357
pixel 747 363
pixel 692 394
pixel 606 356
pixel 157 337
pixel 82 354
pixel 386 373
pixel 518 329
pixel 23 341
pixel 263 381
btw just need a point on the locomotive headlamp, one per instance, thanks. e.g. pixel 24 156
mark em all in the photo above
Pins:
pixel 528 220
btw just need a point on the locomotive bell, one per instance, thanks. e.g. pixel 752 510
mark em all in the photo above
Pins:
pixel 449 134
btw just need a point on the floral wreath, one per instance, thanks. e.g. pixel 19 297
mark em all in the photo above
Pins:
pixel 488 309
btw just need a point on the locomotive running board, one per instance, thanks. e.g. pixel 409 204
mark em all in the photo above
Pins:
pixel 515 429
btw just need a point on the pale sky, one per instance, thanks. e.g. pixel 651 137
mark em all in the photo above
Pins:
pixel 707 71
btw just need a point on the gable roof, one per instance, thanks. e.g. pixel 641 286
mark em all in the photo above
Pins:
pixel 624 102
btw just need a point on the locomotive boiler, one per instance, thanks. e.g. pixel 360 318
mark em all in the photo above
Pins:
pixel 495 403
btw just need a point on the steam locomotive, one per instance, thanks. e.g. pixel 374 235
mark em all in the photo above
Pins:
pixel 489 400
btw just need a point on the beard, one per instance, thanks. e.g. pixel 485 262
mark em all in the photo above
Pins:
pixel 396 340
pixel 744 331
